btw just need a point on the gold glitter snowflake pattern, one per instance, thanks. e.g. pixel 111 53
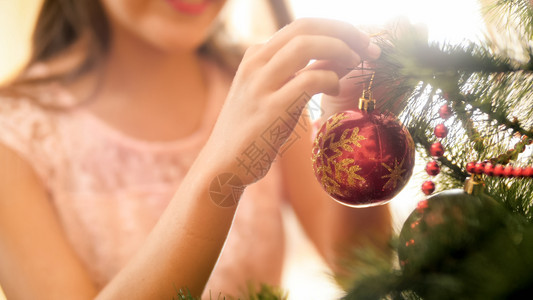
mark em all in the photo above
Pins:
pixel 348 167
pixel 348 139
pixel 395 174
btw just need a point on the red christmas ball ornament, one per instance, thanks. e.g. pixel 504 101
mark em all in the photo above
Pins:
pixel 436 149
pixel 441 131
pixel 432 168
pixel 428 187
pixel 363 158
pixel 445 112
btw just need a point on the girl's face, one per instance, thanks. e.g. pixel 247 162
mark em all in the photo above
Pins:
pixel 168 25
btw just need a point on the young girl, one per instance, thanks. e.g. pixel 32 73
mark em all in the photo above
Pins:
pixel 135 163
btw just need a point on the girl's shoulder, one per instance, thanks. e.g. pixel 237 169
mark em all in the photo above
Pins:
pixel 26 108
pixel 28 123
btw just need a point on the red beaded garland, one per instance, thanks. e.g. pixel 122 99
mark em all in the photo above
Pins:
pixel 436 149
pixel 499 170
pixel 441 131
pixel 433 168
pixel 428 187
pixel 503 168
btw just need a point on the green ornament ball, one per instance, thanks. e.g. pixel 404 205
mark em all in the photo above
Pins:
pixel 444 228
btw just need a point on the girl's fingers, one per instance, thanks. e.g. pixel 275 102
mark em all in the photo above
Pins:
pixel 294 57
pixel 310 82
pixel 350 90
pixel 340 69
pixel 352 83
pixel 354 38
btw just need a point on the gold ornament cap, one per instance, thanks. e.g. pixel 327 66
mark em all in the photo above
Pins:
pixel 474 185
pixel 367 102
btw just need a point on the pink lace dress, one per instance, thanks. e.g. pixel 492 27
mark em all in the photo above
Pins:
pixel 109 189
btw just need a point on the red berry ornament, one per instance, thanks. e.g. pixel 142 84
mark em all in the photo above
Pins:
pixel 363 158
pixel 428 187
pixel 470 167
pixel 441 131
pixel 498 170
pixel 445 112
pixel 508 171
pixel 517 172
pixel 528 172
pixel 422 205
pixel 436 149
pixel 479 168
pixel 432 168
pixel 489 169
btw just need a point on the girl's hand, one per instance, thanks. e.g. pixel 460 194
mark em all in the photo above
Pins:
pixel 351 85
pixel 272 86
pixel 351 89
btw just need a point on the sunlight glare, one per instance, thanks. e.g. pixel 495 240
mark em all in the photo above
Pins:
pixel 450 20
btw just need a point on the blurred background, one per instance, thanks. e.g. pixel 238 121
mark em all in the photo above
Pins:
pixel 306 276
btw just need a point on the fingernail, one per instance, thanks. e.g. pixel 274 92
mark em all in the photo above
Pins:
pixel 373 51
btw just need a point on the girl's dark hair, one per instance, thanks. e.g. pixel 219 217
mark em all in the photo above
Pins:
pixel 62 23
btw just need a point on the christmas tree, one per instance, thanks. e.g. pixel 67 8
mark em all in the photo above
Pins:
pixel 469 109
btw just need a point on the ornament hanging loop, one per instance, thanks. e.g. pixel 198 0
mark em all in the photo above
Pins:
pixel 367 103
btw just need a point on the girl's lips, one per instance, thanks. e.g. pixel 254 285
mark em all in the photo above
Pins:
pixel 189 8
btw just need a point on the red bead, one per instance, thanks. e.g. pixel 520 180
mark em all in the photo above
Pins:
pixel 436 149
pixel 441 131
pixel 415 223
pixel 489 169
pixel 428 187
pixel 528 172
pixel 470 167
pixel 498 170
pixel 479 168
pixel 508 171
pixel 445 112
pixel 422 205
pixel 517 172
pixel 433 168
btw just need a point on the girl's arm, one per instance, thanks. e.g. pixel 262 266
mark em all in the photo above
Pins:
pixel 182 249
pixel 36 261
